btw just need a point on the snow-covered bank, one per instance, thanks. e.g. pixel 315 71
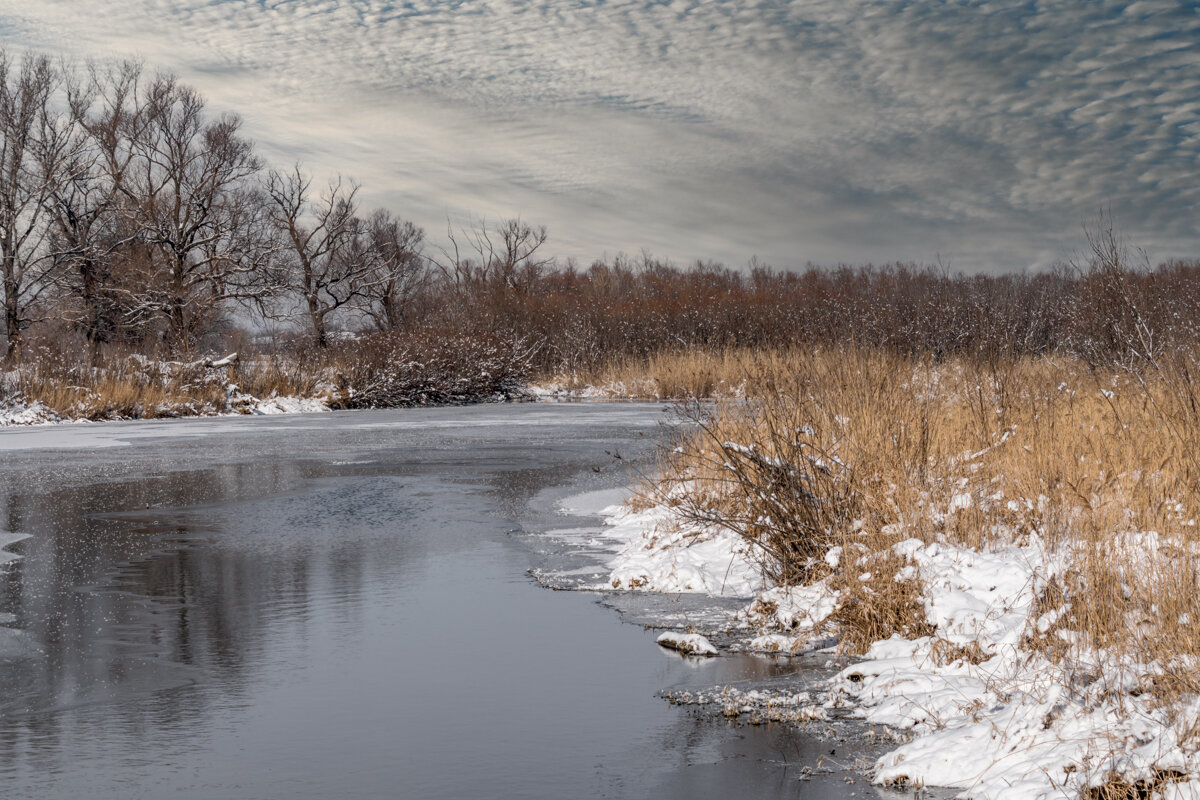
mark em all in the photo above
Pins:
pixel 640 389
pixel 17 412
pixel 288 405
pixel 614 390
pixel 656 553
pixel 21 413
pixel 138 387
pixel 388 371
pixel 977 706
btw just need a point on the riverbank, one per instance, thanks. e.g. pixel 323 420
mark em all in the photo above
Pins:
pixel 400 374
pixel 1007 550
pixel 972 691
pixel 377 372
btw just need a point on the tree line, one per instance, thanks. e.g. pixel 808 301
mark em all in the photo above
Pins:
pixel 132 218
pixel 131 211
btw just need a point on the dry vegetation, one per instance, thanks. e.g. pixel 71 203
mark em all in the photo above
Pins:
pixel 383 371
pixel 858 449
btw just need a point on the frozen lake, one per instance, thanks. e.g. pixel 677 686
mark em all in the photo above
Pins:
pixel 339 605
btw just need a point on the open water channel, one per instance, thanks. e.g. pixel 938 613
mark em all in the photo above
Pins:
pixel 340 606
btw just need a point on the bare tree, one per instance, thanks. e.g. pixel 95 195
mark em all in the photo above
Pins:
pixel 328 260
pixel 1116 312
pixel 187 194
pixel 515 258
pixel 508 253
pixel 399 267
pixel 88 231
pixel 40 150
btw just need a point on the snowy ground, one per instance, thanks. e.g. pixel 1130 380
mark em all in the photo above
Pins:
pixel 21 413
pixel 970 707
pixel 611 391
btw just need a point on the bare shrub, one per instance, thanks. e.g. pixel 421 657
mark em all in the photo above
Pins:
pixel 389 371
pixel 301 371
pixel 781 488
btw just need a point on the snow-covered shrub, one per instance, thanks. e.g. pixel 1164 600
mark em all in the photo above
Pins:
pixel 419 370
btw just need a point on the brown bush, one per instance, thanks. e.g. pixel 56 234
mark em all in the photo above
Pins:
pixel 390 371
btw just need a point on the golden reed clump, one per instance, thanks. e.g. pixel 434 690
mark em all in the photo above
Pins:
pixel 810 449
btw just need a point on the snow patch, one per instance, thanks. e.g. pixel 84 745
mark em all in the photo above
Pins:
pixel 975 709
pixel 289 405
pixel 659 554
pixel 14 413
pixel 790 619
pixel 692 644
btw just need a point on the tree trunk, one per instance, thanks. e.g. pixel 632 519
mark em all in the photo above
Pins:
pixel 318 321
pixel 94 322
pixel 393 311
pixel 177 328
pixel 12 317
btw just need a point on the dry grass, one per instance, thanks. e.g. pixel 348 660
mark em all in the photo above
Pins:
pixel 301 374
pixel 675 374
pixel 859 448
pixel 875 605
pixel 379 371
pixel 129 388
pixel 1117 788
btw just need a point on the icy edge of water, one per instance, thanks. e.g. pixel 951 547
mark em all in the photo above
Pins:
pixel 1011 726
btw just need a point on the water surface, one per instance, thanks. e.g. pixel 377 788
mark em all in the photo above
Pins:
pixel 339 605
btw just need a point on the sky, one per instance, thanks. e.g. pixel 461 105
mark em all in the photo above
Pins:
pixel 981 135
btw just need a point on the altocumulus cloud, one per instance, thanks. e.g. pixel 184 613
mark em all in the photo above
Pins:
pixel 823 130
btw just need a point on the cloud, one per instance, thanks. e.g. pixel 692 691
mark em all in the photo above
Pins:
pixel 825 130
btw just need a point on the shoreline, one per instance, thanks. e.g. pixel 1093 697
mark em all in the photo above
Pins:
pixel 970 694
pixel 26 414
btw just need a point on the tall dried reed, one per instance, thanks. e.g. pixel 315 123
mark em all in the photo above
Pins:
pixel 860 448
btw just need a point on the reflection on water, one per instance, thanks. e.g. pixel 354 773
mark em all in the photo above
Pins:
pixel 335 607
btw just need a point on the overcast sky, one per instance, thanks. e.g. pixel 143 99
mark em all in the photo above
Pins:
pixel 823 130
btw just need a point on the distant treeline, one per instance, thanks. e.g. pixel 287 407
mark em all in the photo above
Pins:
pixel 1102 311
pixel 132 220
